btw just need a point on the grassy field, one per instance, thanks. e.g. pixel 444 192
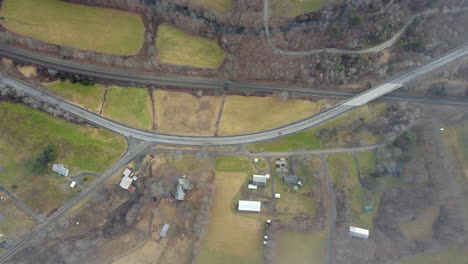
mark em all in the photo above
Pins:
pixel 219 6
pixel 343 172
pixel 131 106
pixel 367 164
pixel 231 237
pixel 262 163
pixel 88 179
pixel 187 163
pixel 25 133
pixel 14 222
pixel 185 114
pixel 294 8
pixel 78 26
pixel 346 130
pixel 246 114
pixel 233 164
pixel 301 247
pixel 87 96
pixel 175 46
pixel 449 255
pixel 420 228
pixel 301 202
pixel 456 137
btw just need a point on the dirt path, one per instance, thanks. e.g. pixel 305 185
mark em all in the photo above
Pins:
pixel 220 113
pixel 331 194
pixel 154 122
pixel 104 98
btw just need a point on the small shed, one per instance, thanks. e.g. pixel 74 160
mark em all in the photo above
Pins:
pixel 164 230
pixel 72 184
pixel 277 195
pixel 358 232
pixel 368 208
pixel 252 187
pixel 60 169
pixel 251 206
pixel 291 180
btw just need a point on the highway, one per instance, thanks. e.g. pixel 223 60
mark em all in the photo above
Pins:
pixel 133 78
pixel 314 120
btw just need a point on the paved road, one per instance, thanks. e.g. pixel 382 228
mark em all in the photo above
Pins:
pixel 132 153
pixel 188 82
pixel 386 44
pixel 21 204
pixel 341 108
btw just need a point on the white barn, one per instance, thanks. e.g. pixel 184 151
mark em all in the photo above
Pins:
pixel 358 232
pixel 250 206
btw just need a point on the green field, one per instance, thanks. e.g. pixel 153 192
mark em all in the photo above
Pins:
pixel 232 237
pixel 349 129
pixel 367 164
pixel 88 179
pixel 187 163
pixel 131 106
pixel 233 164
pixel 262 163
pixel 78 26
pixel 25 133
pixel 87 96
pixel 444 256
pixel 219 6
pixel 175 46
pixel 301 247
pixel 292 8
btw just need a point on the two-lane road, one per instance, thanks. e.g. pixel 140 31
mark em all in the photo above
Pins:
pixel 356 101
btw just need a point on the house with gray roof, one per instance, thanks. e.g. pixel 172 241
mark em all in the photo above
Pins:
pixel 60 169
pixel 291 180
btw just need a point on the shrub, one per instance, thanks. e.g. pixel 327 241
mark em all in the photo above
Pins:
pixel 355 20
pixel 40 164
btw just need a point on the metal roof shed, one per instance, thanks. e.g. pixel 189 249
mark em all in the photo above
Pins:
pixel 251 206
pixel 180 194
pixel 164 230
pixel 358 232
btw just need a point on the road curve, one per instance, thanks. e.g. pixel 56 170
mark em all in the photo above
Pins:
pixel 131 77
pixel 148 136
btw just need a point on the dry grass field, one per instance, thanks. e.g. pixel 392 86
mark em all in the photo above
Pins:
pixel 14 221
pixel 185 114
pixel 243 114
pixel 87 96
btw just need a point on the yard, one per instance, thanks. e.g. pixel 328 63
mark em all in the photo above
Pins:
pixel 78 26
pixel 294 8
pixel 130 106
pixel 233 164
pixel 86 96
pixel 187 163
pixel 301 247
pixel 80 148
pixel 185 114
pixel 231 237
pixel 14 221
pixel 174 46
pixel 449 255
pixel 247 114
pixel 344 131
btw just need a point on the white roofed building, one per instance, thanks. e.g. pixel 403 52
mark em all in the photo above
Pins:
pixel 127 180
pixel 60 169
pixel 358 232
pixel 250 206
pixel 260 180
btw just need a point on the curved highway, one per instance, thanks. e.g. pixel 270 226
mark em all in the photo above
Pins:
pixel 338 109
pixel 131 77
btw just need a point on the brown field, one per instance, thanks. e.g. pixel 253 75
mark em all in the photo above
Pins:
pixel 185 114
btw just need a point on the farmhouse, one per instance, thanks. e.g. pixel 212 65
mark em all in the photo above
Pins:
pixel 60 169
pixel 250 206
pixel 183 185
pixel 260 180
pixel 291 180
pixel 127 180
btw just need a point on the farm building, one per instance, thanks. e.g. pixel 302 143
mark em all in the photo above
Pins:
pixel 281 164
pixel 60 169
pixel 186 185
pixel 180 194
pixel 73 184
pixel 260 180
pixel 164 229
pixel 252 187
pixel 291 180
pixel 358 232
pixel 251 206
pixel 127 179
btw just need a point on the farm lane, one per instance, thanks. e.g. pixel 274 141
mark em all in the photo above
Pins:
pixel 21 204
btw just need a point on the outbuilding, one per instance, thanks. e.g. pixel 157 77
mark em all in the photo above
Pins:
pixel 252 187
pixel 164 229
pixel 250 206
pixel 358 232
pixel 72 184
pixel 260 180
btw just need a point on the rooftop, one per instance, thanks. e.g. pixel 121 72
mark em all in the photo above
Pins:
pixel 60 169
pixel 252 206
